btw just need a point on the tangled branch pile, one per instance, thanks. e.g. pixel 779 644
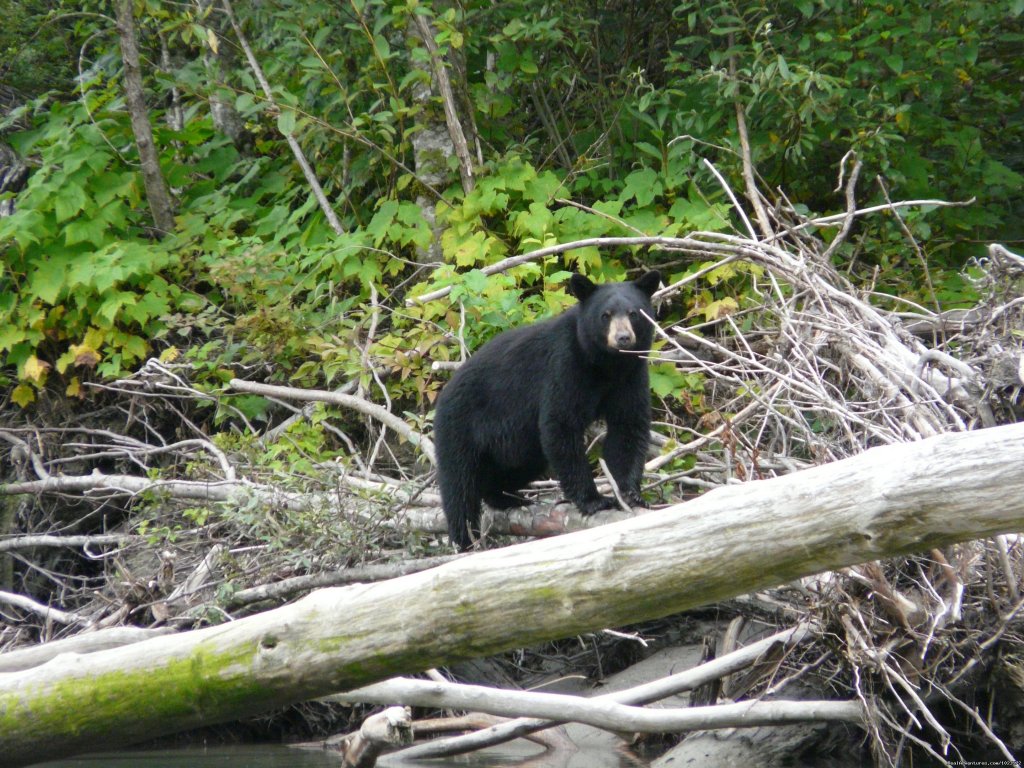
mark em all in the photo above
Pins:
pixel 176 528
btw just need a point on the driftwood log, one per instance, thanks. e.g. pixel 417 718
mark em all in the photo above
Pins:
pixel 886 501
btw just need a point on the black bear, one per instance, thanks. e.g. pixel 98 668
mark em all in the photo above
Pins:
pixel 523 402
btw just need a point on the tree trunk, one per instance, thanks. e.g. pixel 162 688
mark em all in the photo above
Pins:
pixel 157 194
pixel 459 142
pixel 218 61
pixel 740 538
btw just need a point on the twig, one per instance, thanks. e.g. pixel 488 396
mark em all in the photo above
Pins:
pixel 601 712
pixel 732 196
pixel 367 573
pixel 45 540
pixel 748 164
pixel 837 218
pixel 851 206
pixel 513 261
pixel 616 492
pixel 86 642
pixel 913 244
pixel 24 451
pixel 382 415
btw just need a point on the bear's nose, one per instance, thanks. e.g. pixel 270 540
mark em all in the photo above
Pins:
pixel 623 339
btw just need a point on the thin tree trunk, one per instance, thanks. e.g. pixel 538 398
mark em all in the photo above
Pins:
pixel 217 61
pixel 300 156
pixel 444 87
pixel 432 146
pixel 159 197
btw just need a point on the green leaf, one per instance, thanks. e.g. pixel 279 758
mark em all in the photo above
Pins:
pixel 69 201
pixel 644 185
pixel 536 222
pixel 784 68
pixel 286 122
pixel 381 221
pixel 47 281
pixel 9 336
pixel 86 230
pixel 527 65
pixel 111 307
pixel 23 395
pixel 474 281
pixel 649 149
pixel 134 348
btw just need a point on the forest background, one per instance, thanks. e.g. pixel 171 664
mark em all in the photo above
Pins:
pixel 582 120
pixel 316 167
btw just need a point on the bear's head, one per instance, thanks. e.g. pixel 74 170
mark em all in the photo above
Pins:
pixel 613 317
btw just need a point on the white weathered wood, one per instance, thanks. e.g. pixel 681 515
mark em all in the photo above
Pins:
pixel 645 693
pixel 86 642
pixel 602 712
pixel 887 501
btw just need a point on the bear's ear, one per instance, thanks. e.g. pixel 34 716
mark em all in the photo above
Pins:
pixel 648 282
pixel 581 287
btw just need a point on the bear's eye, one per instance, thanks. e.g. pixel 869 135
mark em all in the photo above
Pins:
pixel 632 314
pixel 606 315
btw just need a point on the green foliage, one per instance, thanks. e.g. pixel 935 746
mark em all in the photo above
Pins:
pixel 921 90
pixel 37 51
pixel 77 290
pixel 594 121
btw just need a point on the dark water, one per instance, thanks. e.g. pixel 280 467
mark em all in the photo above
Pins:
pixel 248 756
pixel 276 756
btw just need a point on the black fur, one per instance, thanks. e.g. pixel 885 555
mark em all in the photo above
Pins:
pixel 522 403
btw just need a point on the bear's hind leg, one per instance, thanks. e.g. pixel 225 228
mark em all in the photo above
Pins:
pixel 502 488
pixel 460 497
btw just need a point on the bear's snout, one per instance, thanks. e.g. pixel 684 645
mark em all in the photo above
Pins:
pixel 620 333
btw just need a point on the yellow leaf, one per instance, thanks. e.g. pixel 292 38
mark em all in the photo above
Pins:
pixel 23 394
pixel 85 355
pixel 35 370
pixel 94 338
pixel 211 38
pixel 74 389
pixel 170 354
pixel 719 309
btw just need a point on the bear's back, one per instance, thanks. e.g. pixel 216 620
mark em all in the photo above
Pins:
pixel 503 379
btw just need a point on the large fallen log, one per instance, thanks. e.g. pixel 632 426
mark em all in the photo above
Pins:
pixel 887 501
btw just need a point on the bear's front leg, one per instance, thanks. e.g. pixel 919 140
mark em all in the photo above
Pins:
pixel 625 446
pixel 562 440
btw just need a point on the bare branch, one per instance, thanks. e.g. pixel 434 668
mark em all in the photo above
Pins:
pixel 382 415
pixel 47 612
pixel 45 540
pixel 364 574
pixel 851 208
pixel 602 712
pixel 159 197
pixel 86 642
pixel 642 694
